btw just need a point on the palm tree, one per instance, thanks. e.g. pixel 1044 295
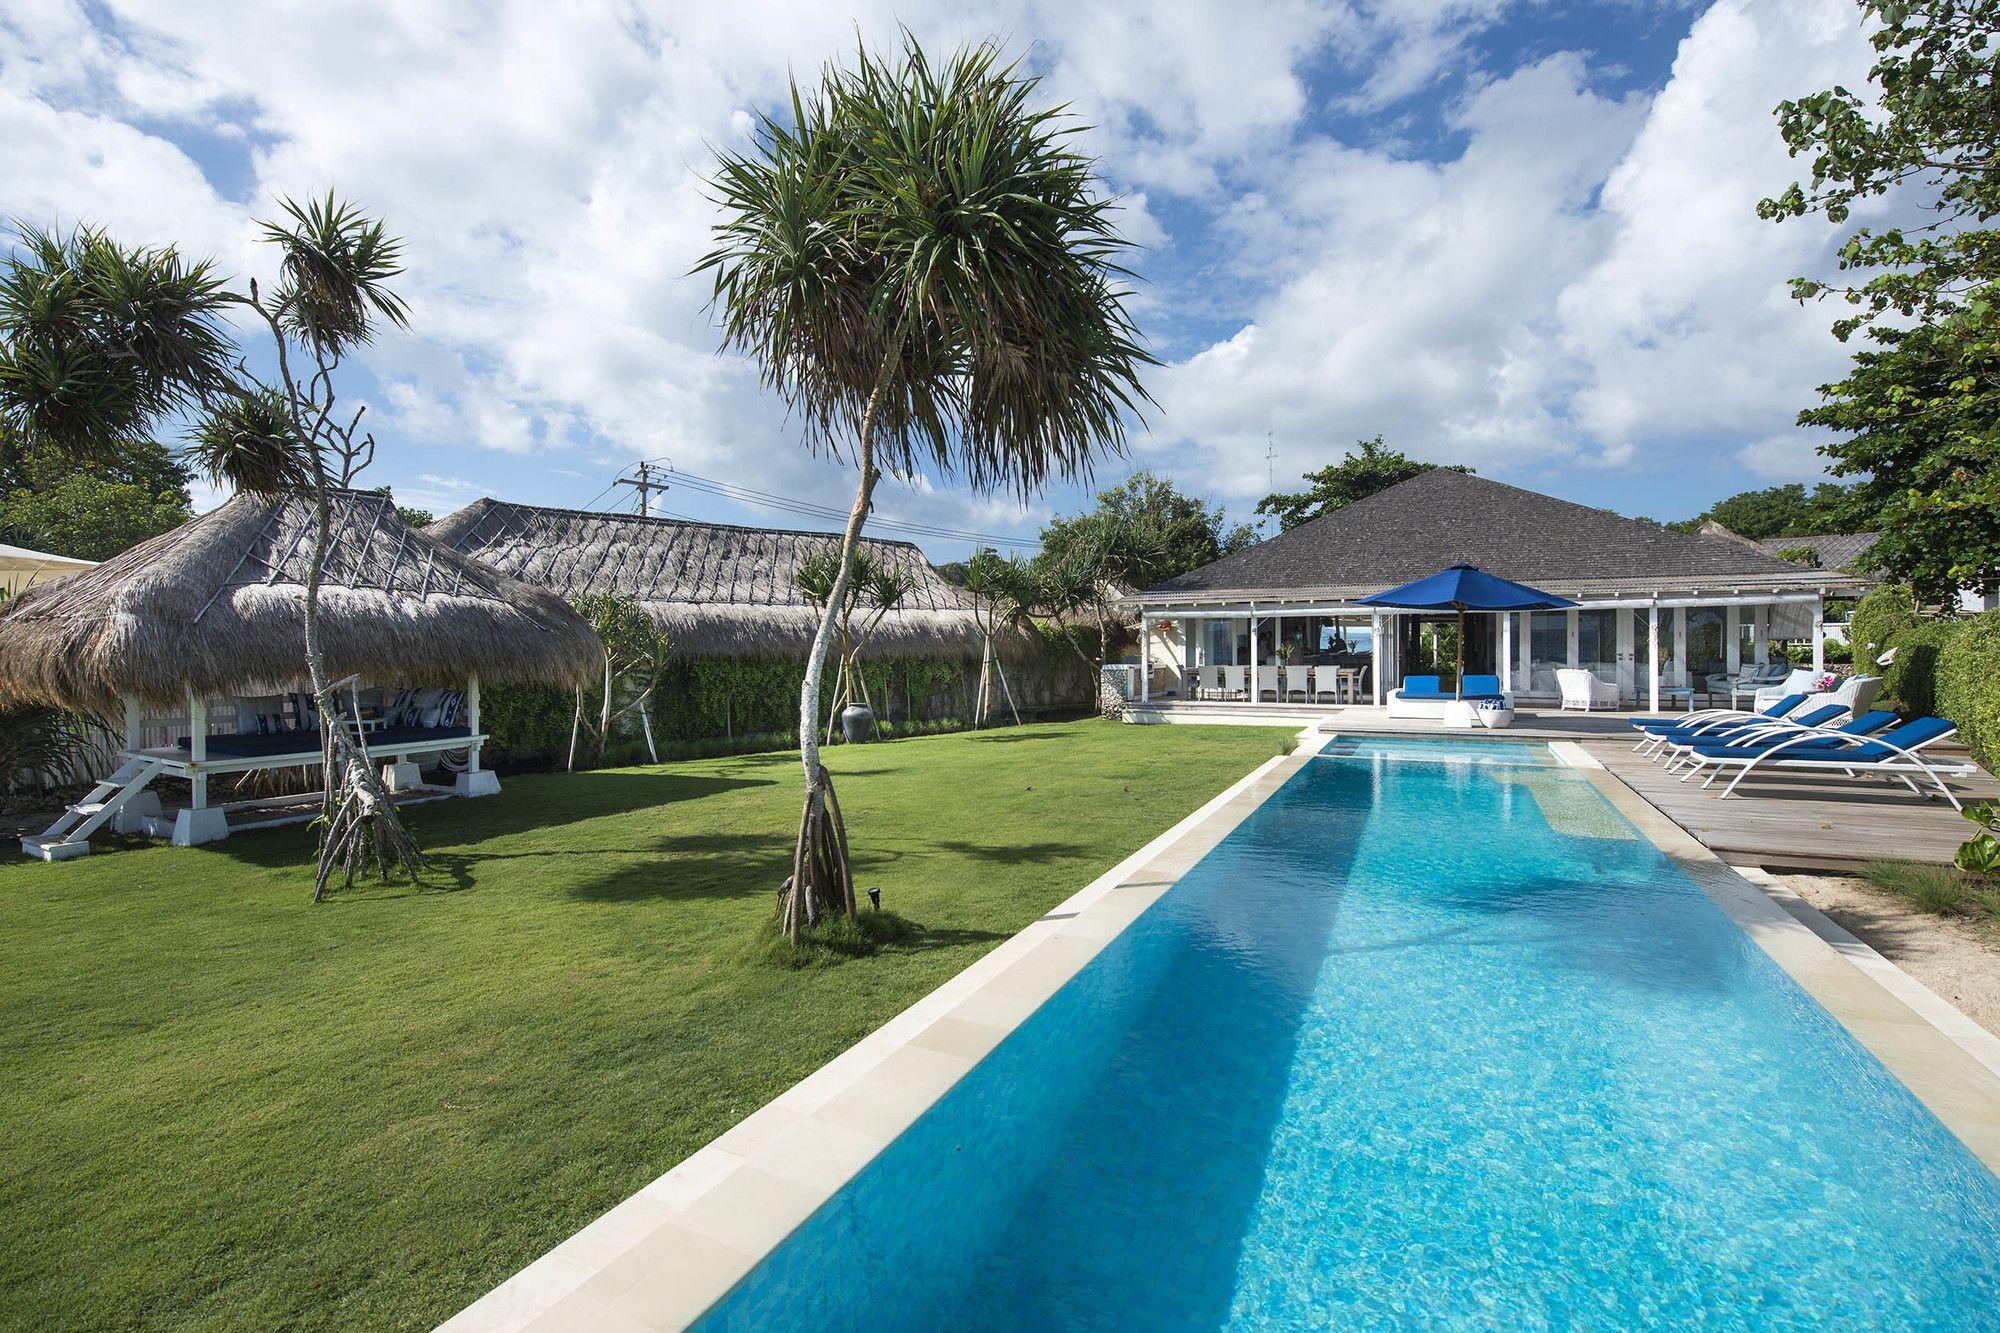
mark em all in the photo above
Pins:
pixel 928 273
pixel 100 342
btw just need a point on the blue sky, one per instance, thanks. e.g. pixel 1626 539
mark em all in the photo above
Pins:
pixel 1515 235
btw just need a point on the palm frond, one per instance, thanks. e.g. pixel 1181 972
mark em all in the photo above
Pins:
pixel 935 200
pixel 337 267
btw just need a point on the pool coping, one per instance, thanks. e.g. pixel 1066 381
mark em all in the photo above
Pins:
pixel 1915 1034
pixel 661 1258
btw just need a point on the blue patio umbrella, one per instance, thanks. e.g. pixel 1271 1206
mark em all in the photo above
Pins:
pixel 1465 588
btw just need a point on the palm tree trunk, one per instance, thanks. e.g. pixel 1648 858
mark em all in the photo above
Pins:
pixel 821 880
pixel 359 818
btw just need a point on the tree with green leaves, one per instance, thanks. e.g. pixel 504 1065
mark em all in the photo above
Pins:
pixel 90 510
pixel 1789 510
pixel 635 657
pixel 1004 596
pixel 1919 412
pixel 1186 533
pixel 102 342
pixel 1371 468
pixel 1102 555
pixel 927 270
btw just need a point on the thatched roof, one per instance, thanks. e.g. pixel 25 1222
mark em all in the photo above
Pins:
pixel 719 590
pixel 218 605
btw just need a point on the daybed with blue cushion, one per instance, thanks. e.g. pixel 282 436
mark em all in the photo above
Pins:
pixel 1423 696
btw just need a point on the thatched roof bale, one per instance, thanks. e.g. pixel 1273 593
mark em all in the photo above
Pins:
pixel 719 590
pixel 218 605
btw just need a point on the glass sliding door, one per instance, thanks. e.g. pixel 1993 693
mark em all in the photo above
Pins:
pixel 1548 650
pixel 1597 644
pixel 1705 645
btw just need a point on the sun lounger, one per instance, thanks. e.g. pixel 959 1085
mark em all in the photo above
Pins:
pixel 1681 752
pixel 1896 754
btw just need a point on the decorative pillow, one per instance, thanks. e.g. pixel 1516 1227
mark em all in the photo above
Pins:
pixel 448 708
pixel 398 713
pixel 424 708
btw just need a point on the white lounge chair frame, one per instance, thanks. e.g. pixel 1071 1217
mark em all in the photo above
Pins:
pixel 1904 770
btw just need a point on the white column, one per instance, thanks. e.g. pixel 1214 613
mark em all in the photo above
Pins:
pixel 1681 646
pixel 1732 636
pixel 1653 655
pixel 1506 652
pixel 1255 694
pixel 1145 658
pixel 1819 635
pixel 1760 633
pixel 1375 651
pixel 472 721
pixel 198 750
pixel 134 732
pixel 1573 649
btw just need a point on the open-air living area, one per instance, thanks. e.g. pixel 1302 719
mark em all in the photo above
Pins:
pixel 1028 668
pixel 1661 619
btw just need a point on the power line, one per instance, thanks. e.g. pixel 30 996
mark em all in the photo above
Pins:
pixel 748 495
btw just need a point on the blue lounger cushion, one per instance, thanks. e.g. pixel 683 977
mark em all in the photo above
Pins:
pixel 1675 721
pixel 1720 733
pixel 1824 750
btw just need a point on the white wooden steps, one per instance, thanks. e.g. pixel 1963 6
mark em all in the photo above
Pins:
pixel 69 836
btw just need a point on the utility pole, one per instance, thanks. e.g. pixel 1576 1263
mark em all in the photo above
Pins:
pixel 645 485
pixel 1270 462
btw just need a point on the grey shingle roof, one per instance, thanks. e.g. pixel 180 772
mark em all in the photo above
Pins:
pixel 1440 518
pixel 1837 550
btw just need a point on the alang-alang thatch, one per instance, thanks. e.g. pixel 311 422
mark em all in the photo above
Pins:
pixel 217 606
pixel 718 590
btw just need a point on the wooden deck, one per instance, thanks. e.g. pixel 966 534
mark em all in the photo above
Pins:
pixel 1801 820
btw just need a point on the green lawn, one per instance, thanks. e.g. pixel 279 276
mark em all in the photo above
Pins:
pixel 228 1107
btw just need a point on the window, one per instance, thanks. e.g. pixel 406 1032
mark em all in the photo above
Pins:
pixel 1597 644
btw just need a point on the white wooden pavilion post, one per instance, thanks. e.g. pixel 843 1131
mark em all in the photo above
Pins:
pixel 1681 647
pixel 1573 638
pixel 1760 633
pixel 197 751
pixel 1732 639
pixel 1256 695
pixel 475 781
pixel 1375 651
pixel 1506 652
pixel 200 822
pixel 1653 656
pixel 1145 658
pixel 1819 635
pixel 134 732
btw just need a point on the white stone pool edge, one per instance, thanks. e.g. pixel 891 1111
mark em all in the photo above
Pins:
pixel 661 1258
pixel 1947 1062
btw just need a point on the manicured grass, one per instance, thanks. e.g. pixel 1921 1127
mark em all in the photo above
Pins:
pixel 227 1107
pixel 1940 890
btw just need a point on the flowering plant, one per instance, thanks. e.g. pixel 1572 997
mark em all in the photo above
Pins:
pixel 1826 682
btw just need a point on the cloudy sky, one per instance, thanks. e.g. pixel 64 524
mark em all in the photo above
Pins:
pixel 1516 235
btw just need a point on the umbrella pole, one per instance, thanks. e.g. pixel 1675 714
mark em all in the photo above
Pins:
pixel 1459 688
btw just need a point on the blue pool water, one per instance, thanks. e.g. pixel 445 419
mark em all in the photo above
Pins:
pixel 1432 1038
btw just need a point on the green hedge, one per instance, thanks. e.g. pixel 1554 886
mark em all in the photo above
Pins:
pixel 1968 685
pixel 1910 682
pixel 1876 619
pixel 709 707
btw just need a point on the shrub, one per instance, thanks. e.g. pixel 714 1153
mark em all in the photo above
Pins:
pixel 1910 682
pixel 1878 616
pixel 1941 890
pixel 1968 685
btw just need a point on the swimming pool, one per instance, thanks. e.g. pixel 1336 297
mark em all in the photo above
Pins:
pixel 1432 1037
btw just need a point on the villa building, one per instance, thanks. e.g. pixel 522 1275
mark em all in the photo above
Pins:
pixel 1659 611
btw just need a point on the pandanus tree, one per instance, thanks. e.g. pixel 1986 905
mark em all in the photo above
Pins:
pixel 100 342
pixel 926 269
